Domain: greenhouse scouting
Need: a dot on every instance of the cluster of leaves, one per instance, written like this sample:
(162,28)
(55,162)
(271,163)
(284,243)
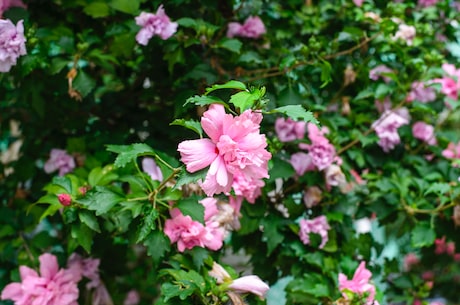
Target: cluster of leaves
(87,87)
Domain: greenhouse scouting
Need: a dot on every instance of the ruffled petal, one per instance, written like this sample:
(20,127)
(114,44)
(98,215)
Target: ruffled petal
(197,154)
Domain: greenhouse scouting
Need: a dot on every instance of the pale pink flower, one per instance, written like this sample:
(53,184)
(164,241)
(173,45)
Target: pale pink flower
(427,3)
(410,260)
(424,132)
(386,128)
(234,147)
(302,163)
(12,43)
(64,199)
(132,298)
(359,284)
(154,24)
(253,27)
(358,2)
(383,105)
(378,72)
(405,32)
(321,152)
(421,93)
(219,273)
(250,284)
(7,4)
(53,286)
(452,151)
(312,196)
(318,225)
(188,233)
(247,187)
(150,167)
(59,160)
(289,130)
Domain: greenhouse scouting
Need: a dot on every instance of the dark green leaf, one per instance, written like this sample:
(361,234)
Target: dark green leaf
(89,219)
(187,178)
(126,6)
(157,245)
(203,100)
(190,206)
(233,84)
(422,235)
(190,124)
(233,45)
(83,235)
(100,199)
(129,153)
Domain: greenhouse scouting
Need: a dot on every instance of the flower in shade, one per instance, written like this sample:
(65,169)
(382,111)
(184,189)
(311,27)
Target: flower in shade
(378,72)
(253,27)
(424,132)
(12,43)
(421,93)
(59,160)
(132,298)
(289,130)
(302,163)
(53,286)
(359,284)
(452,151)
(387,126)
(235,148)
(405,32)
(7,4)
(154,24)
(318,225)
(427,3)
(150,167)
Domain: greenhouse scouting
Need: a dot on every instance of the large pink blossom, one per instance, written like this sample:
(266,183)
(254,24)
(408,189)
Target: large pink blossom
(253,27)
(424,132)
(53,286)
(154,24)
(59,160)
(188,233)
(289,130)
(7,4)
(235,147)
(387,126)
(12,44)
(318,225)
(359,284)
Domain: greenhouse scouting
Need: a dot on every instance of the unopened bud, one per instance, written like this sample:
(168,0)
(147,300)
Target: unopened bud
(64,199)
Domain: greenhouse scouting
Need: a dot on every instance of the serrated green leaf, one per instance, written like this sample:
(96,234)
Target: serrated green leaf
(83,83)
(101,176)
(271,234)
(129,153)
(296,112)
(233,84)
(244,99)
(148,224)
(233,45)
(438,188)
(83,235)
(157,245)
(326,70)
(187,178)
(422,235)
(190,124)
(203,100)
(90,220)
(100,199)
(190,206)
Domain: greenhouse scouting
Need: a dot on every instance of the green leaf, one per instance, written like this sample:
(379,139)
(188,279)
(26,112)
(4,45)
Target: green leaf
(89,219)
(190,124)
(187,22)
(187,178)
(203,100)
(296,112)
(100,199)
(245,100)
(83,235)
(422,235)
(148,224)
(101,176)
(233,84)
(190,206)
(129,153)
(326,70)
(271,234)
(97,9)
(126,6)
(438,188)
(233,45)
(157,245)
(83,83)
(59,184)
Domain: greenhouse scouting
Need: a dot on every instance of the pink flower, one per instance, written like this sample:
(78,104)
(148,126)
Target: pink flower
(452,151)
(289,130)
(427,3)
(12,44)
(386,128)
(132,298)
(7,4)
(405,32)
(150,167)
(359,284)
(188,233)
(235,148)
(450,84)
(419,92)
(302,163)
(321,152)
(59,160)
(253,27)
(247,187)
(64,199)
(250,284)
(424,132)
(154,24)
(410,260)
(318,225)
(358,2)
(377,72)
(53,286)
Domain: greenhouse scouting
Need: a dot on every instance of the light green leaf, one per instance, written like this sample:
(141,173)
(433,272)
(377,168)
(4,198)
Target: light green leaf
(101,176)
(233,84)
(296,112)
(244,100)
(157,245)
(187,22)
(190,124)
(190,206)
(233,45)
(129,153)
(422,235)
(438,188)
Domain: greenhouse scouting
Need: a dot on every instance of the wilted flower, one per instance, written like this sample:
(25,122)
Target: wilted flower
(59,160)
(363,225)
(335,177)
(424,132)
(359,284)
(53,286)
(349,76)
(318,225)
(253,27)
(312,196)
(154,24)
(12,44)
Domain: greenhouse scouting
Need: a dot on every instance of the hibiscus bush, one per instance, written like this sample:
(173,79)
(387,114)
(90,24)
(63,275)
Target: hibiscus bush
(229,152)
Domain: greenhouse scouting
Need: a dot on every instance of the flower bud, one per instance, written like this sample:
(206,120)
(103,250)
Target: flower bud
(64,199)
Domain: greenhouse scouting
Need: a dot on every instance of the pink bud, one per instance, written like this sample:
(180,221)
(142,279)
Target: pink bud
(250,283)
(64,199)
